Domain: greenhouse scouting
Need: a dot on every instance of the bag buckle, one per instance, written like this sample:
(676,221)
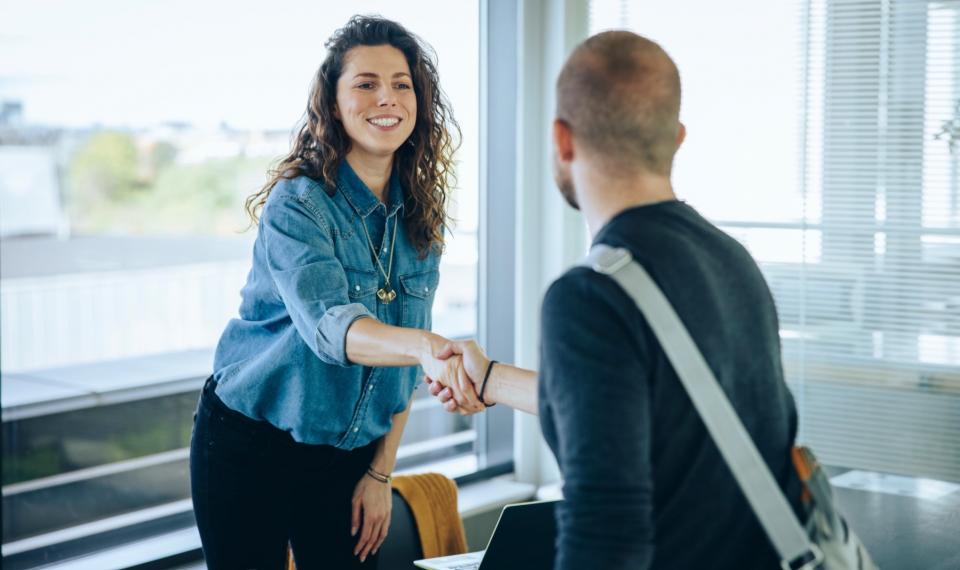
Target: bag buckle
(609,260)
(809,560)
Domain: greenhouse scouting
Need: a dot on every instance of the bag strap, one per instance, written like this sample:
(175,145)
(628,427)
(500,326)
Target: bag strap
(738,450)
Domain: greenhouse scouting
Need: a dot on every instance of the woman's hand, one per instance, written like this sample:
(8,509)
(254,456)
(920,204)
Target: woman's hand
(451,374)
(459,394)
(372,502)
(432,346)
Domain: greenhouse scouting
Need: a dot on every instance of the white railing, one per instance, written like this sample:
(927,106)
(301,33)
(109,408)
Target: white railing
(77,318)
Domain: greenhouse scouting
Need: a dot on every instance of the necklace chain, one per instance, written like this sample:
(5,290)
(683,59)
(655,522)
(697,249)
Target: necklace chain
(386,293)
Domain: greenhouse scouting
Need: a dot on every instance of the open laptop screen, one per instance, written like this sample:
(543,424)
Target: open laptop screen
(524,538)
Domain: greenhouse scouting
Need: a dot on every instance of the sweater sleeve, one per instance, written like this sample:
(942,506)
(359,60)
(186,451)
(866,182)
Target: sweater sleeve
(595,393)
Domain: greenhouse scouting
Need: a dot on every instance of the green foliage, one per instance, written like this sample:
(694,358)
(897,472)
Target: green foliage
(117,187)
(162,155)
(106,167)
(42,447)
(40,462)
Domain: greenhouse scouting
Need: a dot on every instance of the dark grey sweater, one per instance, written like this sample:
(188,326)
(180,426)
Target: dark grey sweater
(645,486)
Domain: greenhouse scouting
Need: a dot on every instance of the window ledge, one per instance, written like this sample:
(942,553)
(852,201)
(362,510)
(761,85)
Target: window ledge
(137,553)
(473,499)
(43,392)
(483,496)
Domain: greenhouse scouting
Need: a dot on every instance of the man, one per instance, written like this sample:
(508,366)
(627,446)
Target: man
(644,484)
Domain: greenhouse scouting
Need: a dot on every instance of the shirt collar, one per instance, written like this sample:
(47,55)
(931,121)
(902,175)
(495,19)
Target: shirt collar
(361,198)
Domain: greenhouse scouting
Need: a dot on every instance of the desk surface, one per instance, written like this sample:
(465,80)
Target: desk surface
(905,532)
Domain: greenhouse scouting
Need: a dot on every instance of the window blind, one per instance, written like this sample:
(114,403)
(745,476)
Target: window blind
(870,319)
(856,225)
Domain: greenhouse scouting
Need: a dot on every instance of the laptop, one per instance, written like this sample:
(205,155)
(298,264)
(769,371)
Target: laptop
(523,539)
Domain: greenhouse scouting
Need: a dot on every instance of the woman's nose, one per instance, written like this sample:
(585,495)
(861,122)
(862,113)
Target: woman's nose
(388,98)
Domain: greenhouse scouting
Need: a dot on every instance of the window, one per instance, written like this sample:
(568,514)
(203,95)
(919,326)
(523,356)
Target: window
(130,134)
(825,140)
(876,357)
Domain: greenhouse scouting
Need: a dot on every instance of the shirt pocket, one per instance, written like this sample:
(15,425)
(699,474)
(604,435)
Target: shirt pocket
(362,287)
(418,293)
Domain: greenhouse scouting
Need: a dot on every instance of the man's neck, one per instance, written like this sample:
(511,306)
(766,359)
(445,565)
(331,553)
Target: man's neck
(602,195)
(373,170)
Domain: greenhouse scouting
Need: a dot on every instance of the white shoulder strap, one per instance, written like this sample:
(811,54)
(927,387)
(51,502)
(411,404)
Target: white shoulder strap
(764,495)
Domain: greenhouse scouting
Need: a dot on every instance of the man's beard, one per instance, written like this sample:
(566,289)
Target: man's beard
(568,192)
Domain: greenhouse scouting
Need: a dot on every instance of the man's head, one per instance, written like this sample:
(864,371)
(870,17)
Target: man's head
(618,105)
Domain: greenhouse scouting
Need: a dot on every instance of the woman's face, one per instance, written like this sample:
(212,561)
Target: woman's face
(375,99)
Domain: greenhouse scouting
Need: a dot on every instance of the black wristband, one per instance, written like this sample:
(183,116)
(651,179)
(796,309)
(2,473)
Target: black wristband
(483,386)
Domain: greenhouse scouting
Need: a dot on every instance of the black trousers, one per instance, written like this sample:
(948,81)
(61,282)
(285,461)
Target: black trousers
(255,489)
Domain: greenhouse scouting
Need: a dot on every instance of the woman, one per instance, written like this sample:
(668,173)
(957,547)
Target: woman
(297,430)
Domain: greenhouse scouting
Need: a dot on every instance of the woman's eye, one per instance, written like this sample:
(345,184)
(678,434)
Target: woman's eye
(365,86)
(404,86)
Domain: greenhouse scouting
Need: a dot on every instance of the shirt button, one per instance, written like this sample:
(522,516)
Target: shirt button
(426,289)
(357,287)
(356,429)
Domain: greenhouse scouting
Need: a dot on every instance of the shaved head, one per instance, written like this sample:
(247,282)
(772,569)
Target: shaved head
(619,93)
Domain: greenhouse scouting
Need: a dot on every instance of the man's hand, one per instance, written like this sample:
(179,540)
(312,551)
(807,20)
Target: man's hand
(460,393)
(443,366)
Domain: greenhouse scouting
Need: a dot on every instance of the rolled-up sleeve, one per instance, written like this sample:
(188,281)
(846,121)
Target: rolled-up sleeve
(309,277)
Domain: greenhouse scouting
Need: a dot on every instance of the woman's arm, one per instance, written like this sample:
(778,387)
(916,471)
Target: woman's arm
(372,500)
(372,343)
(385,456)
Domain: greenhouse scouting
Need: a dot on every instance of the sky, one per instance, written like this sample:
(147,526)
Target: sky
(249,64)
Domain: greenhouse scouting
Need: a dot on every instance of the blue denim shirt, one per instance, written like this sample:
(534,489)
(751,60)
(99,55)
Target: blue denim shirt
(284,360)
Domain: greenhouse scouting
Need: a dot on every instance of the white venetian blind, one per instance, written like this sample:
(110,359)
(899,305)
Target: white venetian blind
(870,319)
(826,140)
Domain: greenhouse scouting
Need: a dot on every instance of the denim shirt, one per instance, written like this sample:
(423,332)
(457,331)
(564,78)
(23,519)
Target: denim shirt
(284,360)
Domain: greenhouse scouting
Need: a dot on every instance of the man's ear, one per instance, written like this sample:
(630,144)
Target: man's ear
(563,140)
(681,135)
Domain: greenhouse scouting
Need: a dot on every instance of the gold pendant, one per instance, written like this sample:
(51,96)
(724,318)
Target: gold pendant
(386,294)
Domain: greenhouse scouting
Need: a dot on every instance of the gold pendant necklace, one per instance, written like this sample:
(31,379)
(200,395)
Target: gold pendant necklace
(386,294)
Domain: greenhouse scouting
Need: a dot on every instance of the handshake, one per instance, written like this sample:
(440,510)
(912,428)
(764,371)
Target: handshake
(455,372)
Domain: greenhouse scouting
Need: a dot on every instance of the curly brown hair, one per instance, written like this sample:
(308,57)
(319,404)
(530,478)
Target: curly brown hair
(424,163)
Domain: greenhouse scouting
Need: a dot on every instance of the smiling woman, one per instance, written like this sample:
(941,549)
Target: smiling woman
(300,423)
(121,218)
(362,59)
(376,102)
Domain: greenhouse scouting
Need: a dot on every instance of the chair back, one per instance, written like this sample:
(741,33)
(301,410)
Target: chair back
(434,497)
(402,545)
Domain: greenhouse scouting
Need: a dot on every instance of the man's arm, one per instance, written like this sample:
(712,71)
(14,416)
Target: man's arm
(512,386)
(595,411)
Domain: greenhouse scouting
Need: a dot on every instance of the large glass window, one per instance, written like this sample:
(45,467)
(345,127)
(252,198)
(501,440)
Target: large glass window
(826,140)
(130,135)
